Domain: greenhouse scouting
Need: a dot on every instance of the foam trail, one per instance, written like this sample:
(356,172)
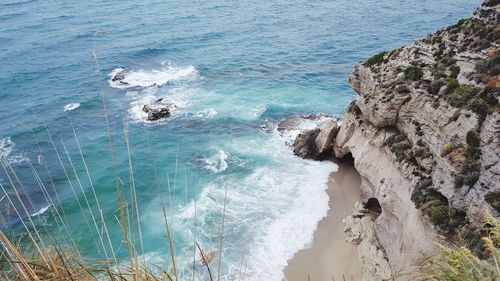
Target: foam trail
(41,211)
(6,146)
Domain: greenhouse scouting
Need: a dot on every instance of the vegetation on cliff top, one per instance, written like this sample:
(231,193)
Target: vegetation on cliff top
(458,263)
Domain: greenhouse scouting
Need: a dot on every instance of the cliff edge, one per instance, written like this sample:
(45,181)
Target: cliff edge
(425,136)
(424,133)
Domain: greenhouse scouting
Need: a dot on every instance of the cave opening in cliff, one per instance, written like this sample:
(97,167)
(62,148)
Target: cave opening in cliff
(373,207)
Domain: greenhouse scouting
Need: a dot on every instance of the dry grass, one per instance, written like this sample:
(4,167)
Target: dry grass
(44,255)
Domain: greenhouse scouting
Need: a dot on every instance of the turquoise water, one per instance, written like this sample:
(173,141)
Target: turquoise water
(233,69)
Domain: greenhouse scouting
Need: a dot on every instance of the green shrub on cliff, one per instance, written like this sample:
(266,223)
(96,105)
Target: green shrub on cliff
(471,168)
(461,95)
(454,71)
(452,85)
(472,139)
(413,72)
(493,198)
(435,206)
(490,66)
(376,59)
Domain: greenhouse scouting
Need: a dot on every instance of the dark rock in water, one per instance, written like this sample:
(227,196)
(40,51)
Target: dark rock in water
(120,76)
(157,110)
(156,114)
(305,144)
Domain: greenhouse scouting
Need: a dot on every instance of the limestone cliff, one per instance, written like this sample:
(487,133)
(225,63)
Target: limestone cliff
(425,137)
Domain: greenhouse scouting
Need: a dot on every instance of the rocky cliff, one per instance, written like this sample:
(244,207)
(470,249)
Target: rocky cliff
(424,133)
(425,136)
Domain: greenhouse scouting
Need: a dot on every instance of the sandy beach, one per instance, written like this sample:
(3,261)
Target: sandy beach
(329,257)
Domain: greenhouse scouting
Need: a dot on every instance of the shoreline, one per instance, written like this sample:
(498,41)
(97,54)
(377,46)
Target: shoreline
(329,256)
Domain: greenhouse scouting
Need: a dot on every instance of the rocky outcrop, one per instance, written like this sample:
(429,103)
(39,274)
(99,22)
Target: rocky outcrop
(425,137)
(120,77)
(157,110)
(311,136)
(327,132)
(305,144)
(424,133)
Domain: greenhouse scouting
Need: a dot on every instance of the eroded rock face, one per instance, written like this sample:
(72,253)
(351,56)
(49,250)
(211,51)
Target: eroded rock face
(327,133)
(359,228)
(425,136)
(400,229)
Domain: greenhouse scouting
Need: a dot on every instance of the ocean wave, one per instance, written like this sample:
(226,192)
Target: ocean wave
(41,211)
(147,78)
(71,106)
(292,126)
(217,162)
(271,213)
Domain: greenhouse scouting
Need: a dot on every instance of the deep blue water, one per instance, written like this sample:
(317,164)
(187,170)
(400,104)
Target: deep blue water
(233,68)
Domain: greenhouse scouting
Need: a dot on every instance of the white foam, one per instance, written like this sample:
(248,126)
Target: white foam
(71,106)
(297,124)
(206,114)
(271,213)
(6,148)
(41,211)
(154,77)
(217,162)
(178,97)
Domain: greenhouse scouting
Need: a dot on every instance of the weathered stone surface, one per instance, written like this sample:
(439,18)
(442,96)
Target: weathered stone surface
(374,263)
(401,230)
(327,133)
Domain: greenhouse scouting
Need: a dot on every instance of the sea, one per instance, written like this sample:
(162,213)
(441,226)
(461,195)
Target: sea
(71,139)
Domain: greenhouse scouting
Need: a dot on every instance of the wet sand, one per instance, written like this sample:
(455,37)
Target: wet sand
(329,257)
